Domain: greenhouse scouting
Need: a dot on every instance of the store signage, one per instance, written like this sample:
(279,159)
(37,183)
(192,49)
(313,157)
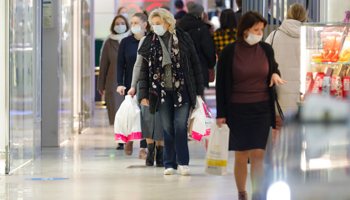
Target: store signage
(47,14)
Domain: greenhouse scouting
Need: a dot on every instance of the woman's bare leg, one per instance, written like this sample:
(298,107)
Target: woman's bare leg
(241,171)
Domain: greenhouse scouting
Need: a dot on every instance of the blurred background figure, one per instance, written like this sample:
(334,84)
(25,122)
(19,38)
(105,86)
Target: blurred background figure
(107,79)
(216,19)
(227,33)
(180,11)
(123,11)
(239,11)
(286,43)
(200,34)
(208,22)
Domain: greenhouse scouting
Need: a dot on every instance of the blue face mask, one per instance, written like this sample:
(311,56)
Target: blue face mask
(125,15)
(159,30)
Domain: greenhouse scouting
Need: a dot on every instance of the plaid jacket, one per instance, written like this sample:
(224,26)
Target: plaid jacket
(222,41)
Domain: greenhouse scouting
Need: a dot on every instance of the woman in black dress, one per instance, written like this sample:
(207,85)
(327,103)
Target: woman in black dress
(246,74)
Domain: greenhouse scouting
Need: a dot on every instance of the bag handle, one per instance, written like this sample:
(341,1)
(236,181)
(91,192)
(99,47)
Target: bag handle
(273,37)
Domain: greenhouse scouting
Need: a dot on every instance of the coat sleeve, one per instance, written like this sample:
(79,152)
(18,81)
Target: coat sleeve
(137,66)
(104,65)
(220,81)
(144,81)
(121,63)
(208,47)
(197,70)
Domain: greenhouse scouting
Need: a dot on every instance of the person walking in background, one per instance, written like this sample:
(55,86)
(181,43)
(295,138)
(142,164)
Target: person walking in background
(180,12)
(170,81)
(200,34)
(206,20)
(107,79)
(123,11)
(286,43)
(126,60)
(246,74)
(227,32)
(239,11)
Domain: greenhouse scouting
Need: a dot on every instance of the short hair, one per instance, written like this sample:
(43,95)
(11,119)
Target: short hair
(239,3)
(120,9)
(297,12)
(179,4)
(248,20)
(166,16)
(113,22)
(144,17)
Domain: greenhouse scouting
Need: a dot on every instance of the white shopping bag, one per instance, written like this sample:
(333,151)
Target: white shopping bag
(127,123)
(217,153)
(201,119)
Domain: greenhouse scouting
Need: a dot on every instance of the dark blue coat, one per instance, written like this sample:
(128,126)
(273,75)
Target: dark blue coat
(126,59)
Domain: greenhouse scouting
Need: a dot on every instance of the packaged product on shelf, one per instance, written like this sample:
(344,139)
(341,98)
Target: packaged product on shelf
(317,58)
(318,84)
(336,49)
(309,82)
(328,49)
(337,87)
(346,87)
(345,51)
(326,89)
(340,70)
(328,71)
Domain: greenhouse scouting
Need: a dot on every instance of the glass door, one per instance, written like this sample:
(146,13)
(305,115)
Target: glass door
(23,80)
(87,69)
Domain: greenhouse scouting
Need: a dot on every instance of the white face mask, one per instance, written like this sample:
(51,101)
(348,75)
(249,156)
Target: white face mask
(120,29)
(159,30)
(253,39)
(136,30)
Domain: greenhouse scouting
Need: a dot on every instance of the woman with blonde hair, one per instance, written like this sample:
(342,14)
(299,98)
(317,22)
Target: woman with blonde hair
(286,43)
(170,81)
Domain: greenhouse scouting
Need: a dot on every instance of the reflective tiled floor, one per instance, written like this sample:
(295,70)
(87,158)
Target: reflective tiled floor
(96,170)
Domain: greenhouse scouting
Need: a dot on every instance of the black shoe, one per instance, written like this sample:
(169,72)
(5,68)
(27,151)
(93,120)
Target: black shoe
(159,156)
(120,146)
(150,154)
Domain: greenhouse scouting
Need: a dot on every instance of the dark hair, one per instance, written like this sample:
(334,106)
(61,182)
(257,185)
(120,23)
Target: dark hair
(113,22)
(118,13)
(179,4)
(248,20)
(239,3)
(166,8)
(144,17)
(228,20)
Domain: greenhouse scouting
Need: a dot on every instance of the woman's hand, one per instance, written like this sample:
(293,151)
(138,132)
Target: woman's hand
(145,102)
(121,90)
(132,92)
(276,79)
(102,92)
(220,121)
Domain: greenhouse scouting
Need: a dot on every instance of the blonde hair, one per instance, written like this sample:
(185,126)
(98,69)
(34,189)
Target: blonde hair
(166,16)
(297,12)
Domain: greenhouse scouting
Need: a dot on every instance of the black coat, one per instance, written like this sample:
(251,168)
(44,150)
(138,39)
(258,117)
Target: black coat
(203,43)
(188,61)
(224,81)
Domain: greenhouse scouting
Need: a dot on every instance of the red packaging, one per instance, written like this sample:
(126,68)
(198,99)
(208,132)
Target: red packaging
(336,87)
(309,83)
(317,87)
(346,87)
(328,51)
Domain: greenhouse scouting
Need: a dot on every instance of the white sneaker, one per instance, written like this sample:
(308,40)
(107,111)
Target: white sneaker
(184,169)
(169,171)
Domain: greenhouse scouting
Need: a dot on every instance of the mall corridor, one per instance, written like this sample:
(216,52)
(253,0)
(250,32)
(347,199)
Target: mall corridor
(93,169)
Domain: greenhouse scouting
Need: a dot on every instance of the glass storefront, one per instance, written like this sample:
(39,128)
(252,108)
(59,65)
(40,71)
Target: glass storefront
(66,115)
(24,81)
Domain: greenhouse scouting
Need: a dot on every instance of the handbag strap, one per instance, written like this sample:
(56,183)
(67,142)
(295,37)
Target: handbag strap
(273,37)
(279,109)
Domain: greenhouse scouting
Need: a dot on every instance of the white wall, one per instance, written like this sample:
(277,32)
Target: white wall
(336,10)
(105,11)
